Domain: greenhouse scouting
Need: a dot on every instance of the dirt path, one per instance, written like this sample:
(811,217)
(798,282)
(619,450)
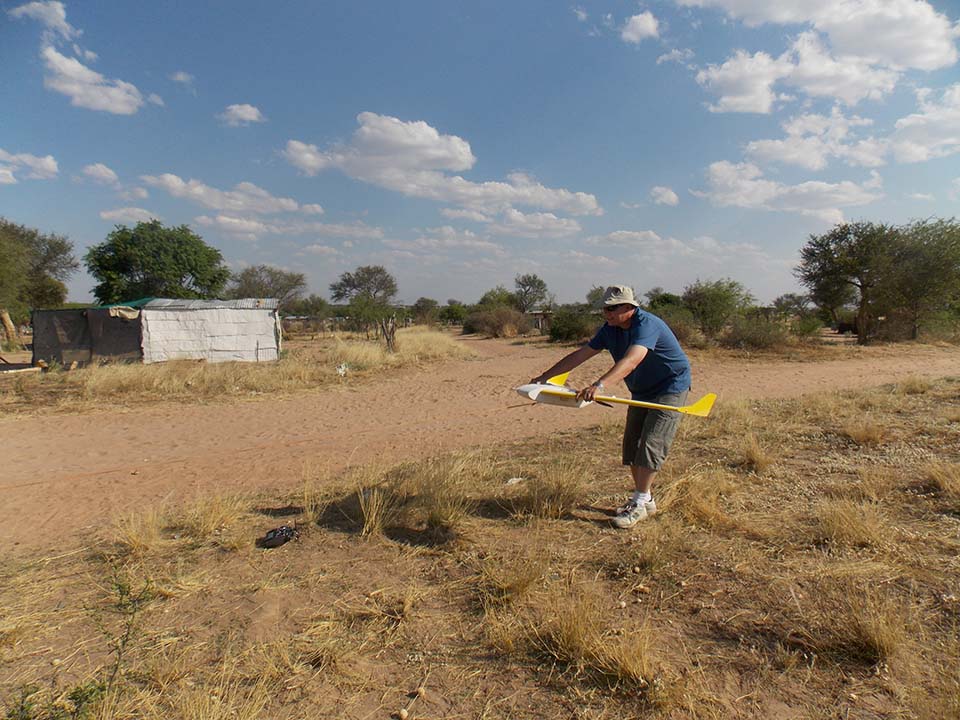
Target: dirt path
(65,473)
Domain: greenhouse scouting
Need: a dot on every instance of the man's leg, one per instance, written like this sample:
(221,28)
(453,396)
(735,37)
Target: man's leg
(642,478)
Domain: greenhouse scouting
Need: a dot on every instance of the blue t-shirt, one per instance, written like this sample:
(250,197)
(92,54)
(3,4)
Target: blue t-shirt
(665,369)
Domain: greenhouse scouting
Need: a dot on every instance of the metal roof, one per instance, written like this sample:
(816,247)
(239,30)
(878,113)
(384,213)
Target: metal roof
(242,304)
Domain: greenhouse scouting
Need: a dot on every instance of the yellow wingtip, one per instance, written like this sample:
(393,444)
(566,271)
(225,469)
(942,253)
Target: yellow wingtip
(558,379)
(701,407)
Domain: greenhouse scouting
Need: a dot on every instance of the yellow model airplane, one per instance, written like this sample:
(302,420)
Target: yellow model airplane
(555,392)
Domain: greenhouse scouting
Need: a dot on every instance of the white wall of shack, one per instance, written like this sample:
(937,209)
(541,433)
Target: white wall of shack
(214,335)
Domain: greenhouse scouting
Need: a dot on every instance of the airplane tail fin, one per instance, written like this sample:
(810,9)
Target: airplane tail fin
(701,407)
(560,380)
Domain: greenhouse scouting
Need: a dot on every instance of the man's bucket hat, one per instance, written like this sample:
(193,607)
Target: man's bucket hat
(619,295)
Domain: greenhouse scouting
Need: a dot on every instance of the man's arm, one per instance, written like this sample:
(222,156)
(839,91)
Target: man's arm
(623,367)
(567,363)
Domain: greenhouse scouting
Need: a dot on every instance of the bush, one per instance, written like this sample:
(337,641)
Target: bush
(755,334)
(682,323)
(568,325)
(497,322)
(806,326)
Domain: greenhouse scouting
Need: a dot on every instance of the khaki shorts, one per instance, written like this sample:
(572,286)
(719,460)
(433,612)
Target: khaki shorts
(649,433)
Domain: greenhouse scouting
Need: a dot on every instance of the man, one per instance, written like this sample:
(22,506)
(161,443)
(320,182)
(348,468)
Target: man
(648,358)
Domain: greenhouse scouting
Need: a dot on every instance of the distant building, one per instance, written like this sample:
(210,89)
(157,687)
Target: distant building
(155,330)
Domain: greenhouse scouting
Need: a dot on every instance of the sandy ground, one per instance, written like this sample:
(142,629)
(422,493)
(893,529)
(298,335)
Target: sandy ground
(66,474)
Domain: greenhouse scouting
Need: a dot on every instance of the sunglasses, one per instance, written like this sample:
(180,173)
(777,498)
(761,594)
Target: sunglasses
(616,308)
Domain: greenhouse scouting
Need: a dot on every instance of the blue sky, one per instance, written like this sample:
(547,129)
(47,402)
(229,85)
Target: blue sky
(461,144)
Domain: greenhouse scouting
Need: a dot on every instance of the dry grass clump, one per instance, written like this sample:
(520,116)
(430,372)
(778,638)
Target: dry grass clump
(755,458)
(505,580)
(914,386)
(211,515)
(554,492)
(864,627)
(872,484)
(864,431)
(850,523)
(378,508)
(441,487)
(942,478)
(698,495)
(139,533)
(569,631)
(728,419)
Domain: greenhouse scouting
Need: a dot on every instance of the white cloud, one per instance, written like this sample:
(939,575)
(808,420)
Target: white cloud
(934,132)
(743,185)
(580,13)
(312,209)
(630,239)
(639,28)
(455,214)
(37,168)
(129,214)
(926,197)
(251,228)
(98,172)
(813,139)
(245,197)
(239,115)
(448,238)
(850,79)
(155,99)
(895,33)
(744,82)
(534,225)
(138,193)
(86,88)
(412,158)
(324,250)
(52,14)
(664,196)
(184,78)
(676,55)
(88,55)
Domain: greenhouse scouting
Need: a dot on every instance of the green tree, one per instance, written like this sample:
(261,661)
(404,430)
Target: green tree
(791,305)
(714,304)
(369,281)
(595,296)
(658,298)
(925,275)
(425,311)
(312,306)
(369,290)
(151,260)
(498,296)
(266,281)
(858,256)
(453,312)
(33,268)
(531,291)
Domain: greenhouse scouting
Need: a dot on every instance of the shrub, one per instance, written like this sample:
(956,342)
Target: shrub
(754,334)
(497,322)
(682,323)
(570,325)
(806,326)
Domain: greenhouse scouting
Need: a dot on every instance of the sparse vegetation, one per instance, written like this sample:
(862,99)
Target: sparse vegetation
(303,367)
(830,580)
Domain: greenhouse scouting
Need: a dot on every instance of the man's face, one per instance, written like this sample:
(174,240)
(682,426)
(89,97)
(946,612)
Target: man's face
(618,315)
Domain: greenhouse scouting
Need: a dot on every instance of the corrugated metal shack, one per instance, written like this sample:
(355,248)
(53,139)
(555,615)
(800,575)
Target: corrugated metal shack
(155,330)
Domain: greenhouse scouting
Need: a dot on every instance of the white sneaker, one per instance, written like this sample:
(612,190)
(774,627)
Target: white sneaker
(650,506)
(631,513)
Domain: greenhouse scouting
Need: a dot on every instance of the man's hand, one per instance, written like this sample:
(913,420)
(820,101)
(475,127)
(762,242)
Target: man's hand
(589,392)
